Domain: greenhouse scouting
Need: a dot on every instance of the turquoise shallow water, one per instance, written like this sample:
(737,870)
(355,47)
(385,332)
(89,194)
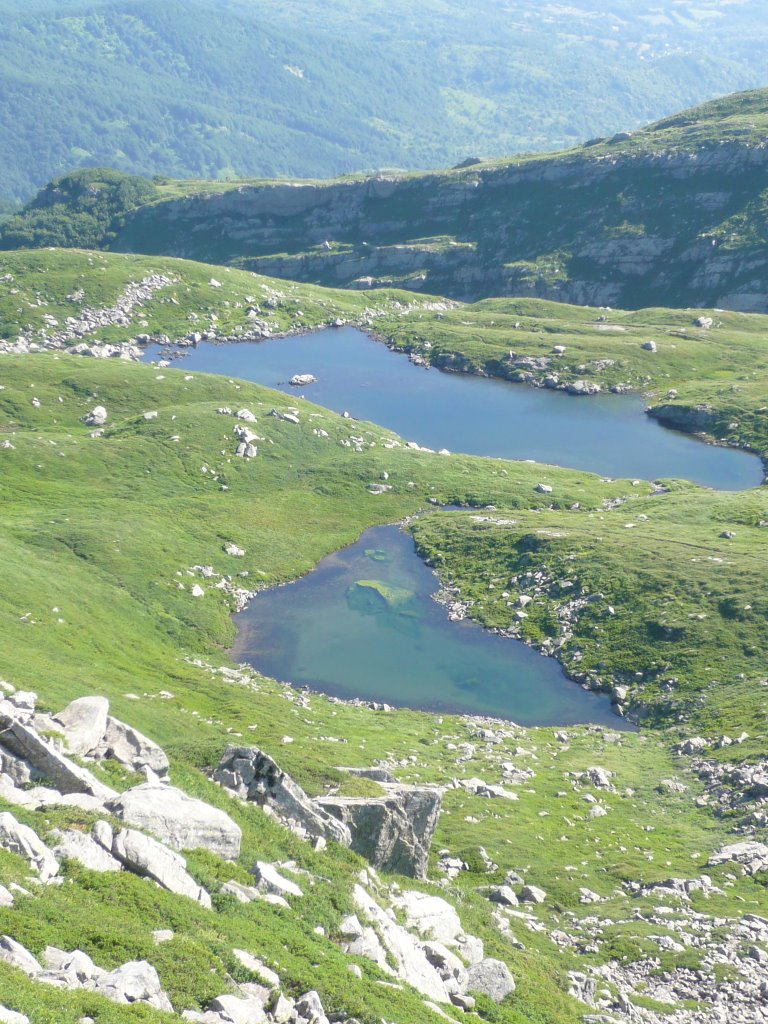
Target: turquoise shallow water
(328,632)
(606,434)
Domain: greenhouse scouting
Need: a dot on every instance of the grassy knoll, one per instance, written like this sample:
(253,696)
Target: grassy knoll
(40,289)
(664,604)
(710,379)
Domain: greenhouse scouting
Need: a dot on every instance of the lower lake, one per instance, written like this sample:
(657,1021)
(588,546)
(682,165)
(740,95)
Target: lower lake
(364,624)
(606,434)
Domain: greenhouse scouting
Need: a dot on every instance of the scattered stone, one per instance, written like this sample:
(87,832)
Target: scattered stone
(752,856)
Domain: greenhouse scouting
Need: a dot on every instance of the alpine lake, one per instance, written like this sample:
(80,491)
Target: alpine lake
(363,624)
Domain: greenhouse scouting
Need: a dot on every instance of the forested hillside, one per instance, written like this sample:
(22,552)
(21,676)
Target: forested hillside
(226,88)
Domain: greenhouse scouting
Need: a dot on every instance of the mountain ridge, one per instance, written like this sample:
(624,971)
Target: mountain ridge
(673,215)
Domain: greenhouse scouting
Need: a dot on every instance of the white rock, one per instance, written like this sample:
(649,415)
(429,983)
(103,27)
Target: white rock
(15,955)
(238,1010)
(431,916)
(131,748)
(491,978)
(21,839)
(84,722)
(269,880)
(411,962)
(97,417)
(83,848)
(251,963)
(150,859)
(11,1017)
(135,982)
(751,855)
(181,821)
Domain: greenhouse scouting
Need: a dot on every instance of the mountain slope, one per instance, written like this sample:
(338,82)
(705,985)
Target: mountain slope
(673,215)
(223,88)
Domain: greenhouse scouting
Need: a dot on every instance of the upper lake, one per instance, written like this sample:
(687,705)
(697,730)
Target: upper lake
(606,434)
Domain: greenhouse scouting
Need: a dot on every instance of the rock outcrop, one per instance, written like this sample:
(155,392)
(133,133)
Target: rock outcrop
(613,224)
(255,776)
(393,832)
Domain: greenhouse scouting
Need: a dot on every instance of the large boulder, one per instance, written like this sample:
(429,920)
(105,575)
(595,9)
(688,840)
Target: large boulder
(253,775)
(131,748)
(65,776)
(84,722)
(239,1010)
(181,821)
(394,832)
(16,955)
(146,857)
(83,848)
(23,840)
(135,982)
(491,978)
(431,916)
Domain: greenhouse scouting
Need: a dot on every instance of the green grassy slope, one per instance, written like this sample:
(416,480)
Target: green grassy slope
(40,290)
(225,88)
(95,533)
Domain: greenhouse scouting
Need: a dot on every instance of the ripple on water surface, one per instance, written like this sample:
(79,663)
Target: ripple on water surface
(606,434)
(363,624)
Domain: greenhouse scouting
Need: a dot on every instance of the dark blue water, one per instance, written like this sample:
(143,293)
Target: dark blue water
(606,434)
(363,624)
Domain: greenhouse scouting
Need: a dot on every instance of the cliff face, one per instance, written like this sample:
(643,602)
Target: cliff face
(604,226)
